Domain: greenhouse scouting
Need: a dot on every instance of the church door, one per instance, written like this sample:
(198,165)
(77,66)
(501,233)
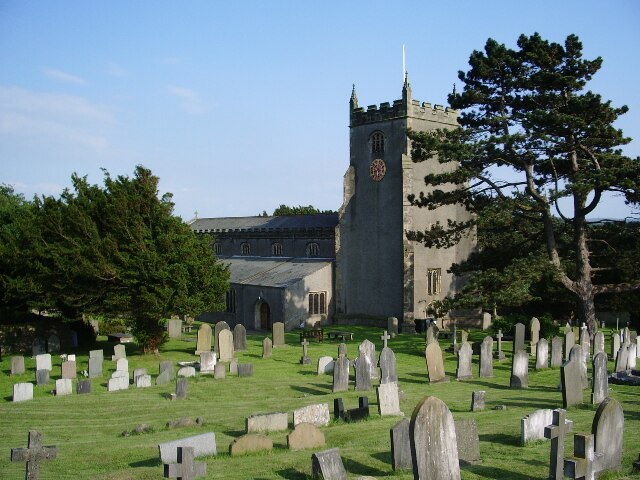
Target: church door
(265,316)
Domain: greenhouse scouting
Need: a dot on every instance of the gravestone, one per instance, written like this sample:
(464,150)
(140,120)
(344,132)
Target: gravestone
(430,335)
(239,338)
(267,422)
(166,373)
(182,388)
(518,338)
(219,327)
(245,369)
(600,382)
(578,354)
(204,339)
(219,371)
(38,347)
(388,372)
(570,377)
(64,386)
(22,392)
(586,462)
(542,354)
(341,374)
(69,370)
(534,334)
(71,357)
(305,359)
(267,346)
(224,343)
(369,349)
(186,467)
(42,377)
(250,443)
(83,386)
(34,454)
(385,336)
(143,381)
(138,372)
(557,432)
(468,441)
(338,408)
(96,354)
(118,383)
(360,413)
(569,342)
(277,333)
(43,361)
(388,399)
(186,372)
(520,370)
(119,351)
(363,372)
(500,354)
(174,328)
(585,341)
(17,365)
(401,446)
(532,426)
(304,436)
(325,365)
(478,400)
(432,436)
(316,414)
(203,445)
(608,428)
(463,371)
(435,363)
(343,349)
(392,326)
(486,357)
(233,366)
(207,362)
(53,344)
(328,465)
(122,365)
(556,352)
(632,357)
(615,344)
(622,359)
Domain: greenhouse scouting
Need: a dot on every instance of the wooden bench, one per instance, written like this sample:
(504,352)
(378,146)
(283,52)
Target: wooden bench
(317,333)
(340,335)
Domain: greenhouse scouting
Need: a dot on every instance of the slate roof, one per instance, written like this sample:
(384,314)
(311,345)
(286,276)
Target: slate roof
(292,222)
(270,272)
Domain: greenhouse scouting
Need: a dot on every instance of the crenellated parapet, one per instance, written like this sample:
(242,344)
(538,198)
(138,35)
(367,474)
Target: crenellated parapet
(401,109)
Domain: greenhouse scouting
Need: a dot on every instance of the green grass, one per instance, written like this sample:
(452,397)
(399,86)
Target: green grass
(87,428)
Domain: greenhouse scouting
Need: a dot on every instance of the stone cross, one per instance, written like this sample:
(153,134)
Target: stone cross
(186,468)
(586,463)
(384,338)
(34,454)
(305,344)
(499,336)
(556,432)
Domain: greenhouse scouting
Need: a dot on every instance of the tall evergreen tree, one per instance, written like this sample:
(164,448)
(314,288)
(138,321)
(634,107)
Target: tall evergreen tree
(531,137)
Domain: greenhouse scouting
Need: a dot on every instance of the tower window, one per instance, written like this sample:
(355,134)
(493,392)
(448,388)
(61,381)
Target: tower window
(245,249)
(217,248)
(313,249)
(377,142)
(317,303)
(276,249)
(434,281)
(231,301)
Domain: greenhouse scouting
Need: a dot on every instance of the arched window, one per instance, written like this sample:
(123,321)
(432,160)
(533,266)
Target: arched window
(276,249)
(217,248)
(317,303)
(231,301)
(313,249)
(245,249)
(434,281)
(377,142)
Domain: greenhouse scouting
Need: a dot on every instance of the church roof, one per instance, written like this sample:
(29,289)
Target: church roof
(289,222)
(270,272)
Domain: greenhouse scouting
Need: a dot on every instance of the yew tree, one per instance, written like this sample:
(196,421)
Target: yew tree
(536,141)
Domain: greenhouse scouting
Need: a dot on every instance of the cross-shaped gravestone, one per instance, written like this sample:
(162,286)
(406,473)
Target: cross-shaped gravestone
(305,344)
(556,432)
(384,338)
(499,337)
(186,468)
(586,463)
(34,454)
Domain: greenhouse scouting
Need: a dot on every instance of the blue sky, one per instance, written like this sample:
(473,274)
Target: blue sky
(242,106)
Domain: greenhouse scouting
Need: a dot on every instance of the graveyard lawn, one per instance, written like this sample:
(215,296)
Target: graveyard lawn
(87,429)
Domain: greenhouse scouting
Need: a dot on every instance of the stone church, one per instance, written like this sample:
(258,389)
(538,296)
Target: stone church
(356,266)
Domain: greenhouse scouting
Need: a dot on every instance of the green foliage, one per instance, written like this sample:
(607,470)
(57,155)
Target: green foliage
(284,210)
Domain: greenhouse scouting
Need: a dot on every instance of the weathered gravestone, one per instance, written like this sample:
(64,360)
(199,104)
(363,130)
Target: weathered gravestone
(116,383)
(182,388)
(392,326)
(277,333)
(224,341)
(143,381)
(219,327)
(577,354)
(267,346)
(325,365)
(239,338)
(430,335)
(500,354)
(203,445)
(518,338)
(384,337)
(328,465)
(250,443)
(34,454)
(42,377)
(586,463)
(608,428)
(570,377)
(557,431)
(542,354)
(401,446)
(534,334)
(569,342)
(341,374)
(532,426)
(622,358)
(69,370)
(245,369)
(468,441)
(388,372)
(463,371)
(95,363)
(369,349)
(174,328)
(520,370)
(486,357)
(137,372)
(186,467)
(600,382)
(186,371)
(343,349)
(122,365)
(432,436)
(615,344)
(166,372)
(585,342)
(305,359)
(388,399)
(435,363)
(219,371)
(64,386)
(203,343)
(363,372)
(316,414)
(22,391)
(478,400)
(83,386)
(267,422)
(53,344)
(233,367)
(43,362)
(304,436)
(119,351)
(556,352)
(17,365)
(207,362)
(360,413)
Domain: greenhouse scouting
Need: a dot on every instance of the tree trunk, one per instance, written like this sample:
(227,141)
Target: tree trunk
(587,309)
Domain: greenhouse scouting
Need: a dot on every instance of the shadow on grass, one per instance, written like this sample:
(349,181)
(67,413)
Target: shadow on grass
(533,404)
(500,438)
(493,472)
(235,433)
(384,457)
(151,462)
(358,468)
(292,473)
(312,391)
(491,385)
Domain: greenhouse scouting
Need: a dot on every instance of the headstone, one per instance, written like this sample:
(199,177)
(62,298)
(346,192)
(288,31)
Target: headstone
(245,369)
(166,373)
(119,351)
(626,335)
(233,367)
(17,365)
(632,357)
(267,346)
(577,352)
(401,446)
(267,422)
(317,414)
(430,335)
(38,347)
(500,354)
(239,338)
(556,352)
(277,333)
(42,377)
(343,349)
(341,374)
(388,372)
(435,363)
(53,344)
(143,381)
(557,431)
(69,370)
(608,428)
(325,365)
(182,388)
(207,362)
(463,371)
(219,327)
(622,359)
(520,370)
(585,343)
(304,436)
(174,328)
(369,349)
(43,362)
(250,443)
(598,343)
(204,339)
(478,400)
(600,382)
(542,354)
(385,336)
(186,372)
(219,371)
(532,426)
(186,467)
(96,354)
(518,338)
(224,341)
(434,448)
(392,326)
(122,365)
(363,372)
(360,413)
(570,377)
(22,391)
(569,342)
(388,399)
(486,357)
(64,386)
(328,465)
(34,454)
(615,344)
(138,372)
(83,386)
(586,463)
(118,383)
(468,441)
(534,330)
(203,445)
(338,408)
(306,359)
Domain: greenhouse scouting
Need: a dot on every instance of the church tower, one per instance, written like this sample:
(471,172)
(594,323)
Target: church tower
(379,273)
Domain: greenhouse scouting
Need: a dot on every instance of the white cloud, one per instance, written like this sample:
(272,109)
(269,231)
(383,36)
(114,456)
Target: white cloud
(190,100)
(64,77)
(116,70)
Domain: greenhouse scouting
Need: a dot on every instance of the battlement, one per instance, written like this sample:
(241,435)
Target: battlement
(399,109)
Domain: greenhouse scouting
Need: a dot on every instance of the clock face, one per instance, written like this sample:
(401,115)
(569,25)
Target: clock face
(377,169)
